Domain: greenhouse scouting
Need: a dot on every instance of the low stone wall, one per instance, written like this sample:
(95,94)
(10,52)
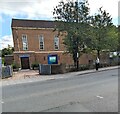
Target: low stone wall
(58,69)
(8,60)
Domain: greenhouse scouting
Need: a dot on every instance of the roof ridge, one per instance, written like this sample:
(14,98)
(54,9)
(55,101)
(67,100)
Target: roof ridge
(33,20)
(33,23)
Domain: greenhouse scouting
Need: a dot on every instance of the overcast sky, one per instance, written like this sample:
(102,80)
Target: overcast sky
(42,10)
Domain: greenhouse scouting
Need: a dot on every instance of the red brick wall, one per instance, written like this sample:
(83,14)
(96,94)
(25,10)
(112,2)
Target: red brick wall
(33,39)
(40,56)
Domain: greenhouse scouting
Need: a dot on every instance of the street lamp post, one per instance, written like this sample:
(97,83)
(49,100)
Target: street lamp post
(77,39)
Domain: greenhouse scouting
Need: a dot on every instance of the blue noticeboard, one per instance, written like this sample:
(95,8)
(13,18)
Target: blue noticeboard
(53,59)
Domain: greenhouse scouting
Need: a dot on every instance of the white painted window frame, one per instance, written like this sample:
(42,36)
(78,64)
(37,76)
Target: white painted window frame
(24,42)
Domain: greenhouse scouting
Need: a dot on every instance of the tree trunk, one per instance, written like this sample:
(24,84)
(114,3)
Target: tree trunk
(77,64)
(98,54)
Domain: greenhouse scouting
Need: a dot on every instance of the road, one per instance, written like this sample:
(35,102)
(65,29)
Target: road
(94,92)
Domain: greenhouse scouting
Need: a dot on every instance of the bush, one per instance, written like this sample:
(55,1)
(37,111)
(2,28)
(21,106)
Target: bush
(3,60)
(15,66)
(81,68)
(35,66)
(84,67)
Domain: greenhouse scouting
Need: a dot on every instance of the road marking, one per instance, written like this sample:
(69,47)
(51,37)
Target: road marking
(52,78)
(59,77)
(2,102)
(99,97)
(30,81)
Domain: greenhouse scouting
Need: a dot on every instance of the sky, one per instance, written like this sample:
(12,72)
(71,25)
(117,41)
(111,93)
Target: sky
(41,10)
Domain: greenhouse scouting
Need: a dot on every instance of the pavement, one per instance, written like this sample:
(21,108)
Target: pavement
(27,76)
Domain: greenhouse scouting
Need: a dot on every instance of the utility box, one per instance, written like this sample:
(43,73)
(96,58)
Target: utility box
(7,71)
(51,69)
(44,69)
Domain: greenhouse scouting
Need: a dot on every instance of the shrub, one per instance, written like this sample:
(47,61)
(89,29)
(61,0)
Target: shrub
(84,67)
(3,60)
(35,65)
(15,66)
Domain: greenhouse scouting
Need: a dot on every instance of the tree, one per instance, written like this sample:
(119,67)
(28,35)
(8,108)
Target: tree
(112,39)
(73,18)
(7,51)
(118,38)
(101,25)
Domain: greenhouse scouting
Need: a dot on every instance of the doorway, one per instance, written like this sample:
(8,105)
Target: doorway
(25,63)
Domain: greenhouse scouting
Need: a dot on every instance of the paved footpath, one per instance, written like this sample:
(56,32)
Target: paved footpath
(27,76)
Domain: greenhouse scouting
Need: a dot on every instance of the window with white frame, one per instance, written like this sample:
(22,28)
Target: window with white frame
(41,42)
(24,42)
(56,42)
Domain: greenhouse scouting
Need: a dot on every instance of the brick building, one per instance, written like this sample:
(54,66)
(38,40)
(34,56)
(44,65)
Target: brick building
(34,40)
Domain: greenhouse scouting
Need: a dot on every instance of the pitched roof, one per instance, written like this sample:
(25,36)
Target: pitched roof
(32,23)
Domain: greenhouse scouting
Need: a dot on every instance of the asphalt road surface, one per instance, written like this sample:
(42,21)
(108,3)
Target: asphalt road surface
(94,92)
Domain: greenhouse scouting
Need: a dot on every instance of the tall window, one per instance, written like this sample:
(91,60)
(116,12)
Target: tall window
(41,42)
(24,42)
(56,43)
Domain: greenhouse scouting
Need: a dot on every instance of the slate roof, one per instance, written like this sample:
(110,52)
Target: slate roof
(32,23)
